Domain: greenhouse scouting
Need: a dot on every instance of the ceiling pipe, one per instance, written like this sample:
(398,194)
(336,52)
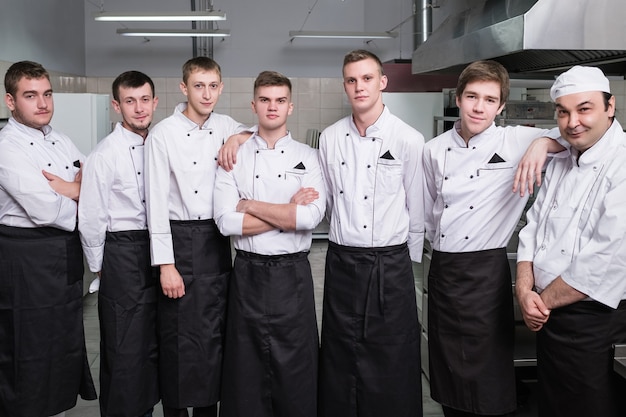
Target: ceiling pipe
(423,25)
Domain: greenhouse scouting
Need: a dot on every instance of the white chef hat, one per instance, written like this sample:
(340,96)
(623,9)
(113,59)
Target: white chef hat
(578,80)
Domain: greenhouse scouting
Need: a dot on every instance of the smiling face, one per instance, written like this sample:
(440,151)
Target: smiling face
(583,118)
(364,83)
(479,104)
(203,89)
(136,105)
(32,103)
(272,104)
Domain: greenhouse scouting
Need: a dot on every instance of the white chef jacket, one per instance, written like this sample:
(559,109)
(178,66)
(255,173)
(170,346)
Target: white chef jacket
(577,228)
(181,161)
(470,205)
(26,198)
(374,183)
(273,176)
(112,192)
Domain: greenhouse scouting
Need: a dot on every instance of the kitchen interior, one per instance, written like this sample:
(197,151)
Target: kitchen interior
(432,42)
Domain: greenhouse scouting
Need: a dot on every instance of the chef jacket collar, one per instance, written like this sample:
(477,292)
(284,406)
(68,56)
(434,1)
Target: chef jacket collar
(378,126)
(474,140)
(611,139)
(130,138)
(189,124)
(46,131)
(280,143)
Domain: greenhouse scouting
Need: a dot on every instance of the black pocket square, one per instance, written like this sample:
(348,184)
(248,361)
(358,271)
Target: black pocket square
(495,159)
(299,166)
(387,155)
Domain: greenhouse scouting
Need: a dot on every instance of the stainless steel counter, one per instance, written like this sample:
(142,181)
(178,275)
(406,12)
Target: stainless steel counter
(619,360)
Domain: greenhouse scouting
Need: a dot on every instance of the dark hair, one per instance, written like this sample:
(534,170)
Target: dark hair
(130,79)
(606,96)
(271,78)
(485,71)
(23,69)
(203,63)
(360,55)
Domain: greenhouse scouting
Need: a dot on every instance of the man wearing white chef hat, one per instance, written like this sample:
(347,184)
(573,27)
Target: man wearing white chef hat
(572,255)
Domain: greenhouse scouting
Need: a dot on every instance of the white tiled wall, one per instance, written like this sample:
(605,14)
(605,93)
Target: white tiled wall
(318,102)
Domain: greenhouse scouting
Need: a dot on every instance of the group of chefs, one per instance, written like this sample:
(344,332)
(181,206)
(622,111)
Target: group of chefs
(152,211)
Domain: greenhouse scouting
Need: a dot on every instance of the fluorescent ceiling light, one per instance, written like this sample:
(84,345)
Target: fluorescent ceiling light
(341,35)
(158,16)
(174,32)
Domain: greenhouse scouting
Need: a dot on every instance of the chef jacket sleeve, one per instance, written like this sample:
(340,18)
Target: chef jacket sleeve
(309,216)
(225,198)
(93,209)
(323,158)
(430,194)
(22,179)
(414,187)
(157,188)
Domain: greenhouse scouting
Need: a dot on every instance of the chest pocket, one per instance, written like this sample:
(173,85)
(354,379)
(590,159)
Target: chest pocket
(389,176)
(496,175)
(295,175)
(294,179)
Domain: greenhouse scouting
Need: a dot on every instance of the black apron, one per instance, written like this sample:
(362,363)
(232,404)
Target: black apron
(471,331)
(370,352)
(191,328)
(271,350)
(129,384)
(575,361)
(43,359)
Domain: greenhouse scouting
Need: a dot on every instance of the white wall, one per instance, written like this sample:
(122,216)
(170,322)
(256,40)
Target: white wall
(47,31)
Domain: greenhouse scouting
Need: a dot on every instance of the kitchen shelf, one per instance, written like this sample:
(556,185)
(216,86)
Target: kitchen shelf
(500,121)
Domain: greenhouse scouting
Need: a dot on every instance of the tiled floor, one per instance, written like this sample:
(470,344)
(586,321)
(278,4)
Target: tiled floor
(317,258)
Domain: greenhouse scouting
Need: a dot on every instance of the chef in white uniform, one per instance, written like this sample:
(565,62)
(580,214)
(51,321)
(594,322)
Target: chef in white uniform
(270,203)
(372,164)
(114,234)
(471,213)
(193,256)
(571,279)
(43,360)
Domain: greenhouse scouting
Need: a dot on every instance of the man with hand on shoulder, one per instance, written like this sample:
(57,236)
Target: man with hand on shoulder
(193,257)
(471,214)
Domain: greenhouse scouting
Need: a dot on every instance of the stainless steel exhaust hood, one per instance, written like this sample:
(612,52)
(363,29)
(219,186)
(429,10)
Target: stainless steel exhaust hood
(529,37)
